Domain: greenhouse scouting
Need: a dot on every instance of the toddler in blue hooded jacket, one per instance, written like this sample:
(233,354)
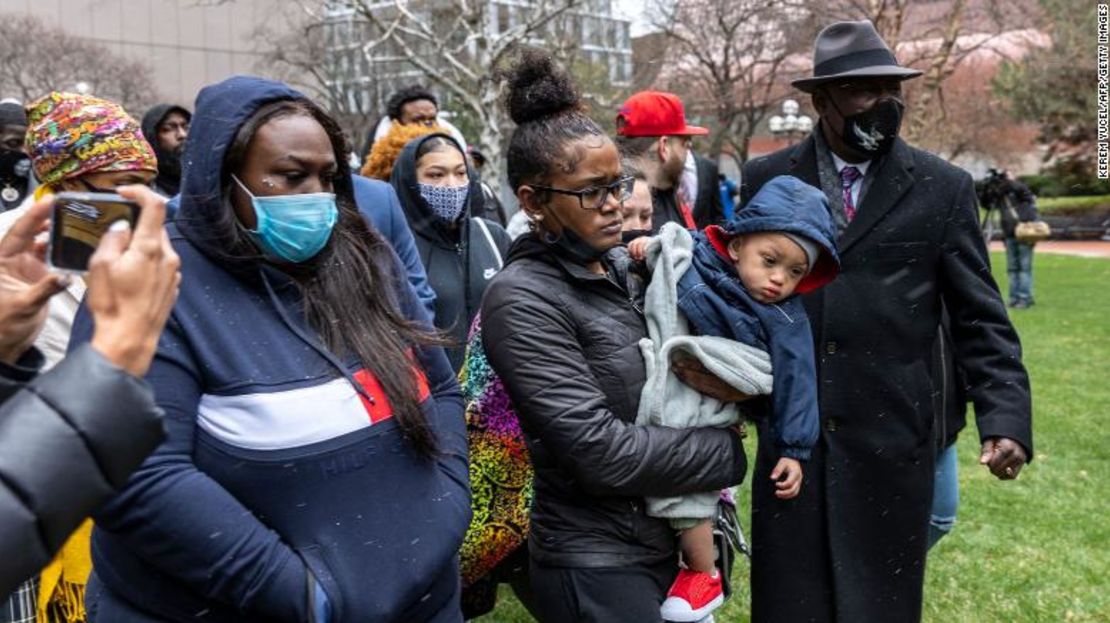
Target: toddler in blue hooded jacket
(741,285)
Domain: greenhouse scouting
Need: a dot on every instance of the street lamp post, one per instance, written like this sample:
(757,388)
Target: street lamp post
(790,124)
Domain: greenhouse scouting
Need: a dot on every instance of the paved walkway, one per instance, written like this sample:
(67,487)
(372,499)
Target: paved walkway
(1085,248)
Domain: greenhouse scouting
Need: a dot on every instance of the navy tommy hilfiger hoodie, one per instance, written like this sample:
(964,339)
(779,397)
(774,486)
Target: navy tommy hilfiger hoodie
(715,302)
(277,475)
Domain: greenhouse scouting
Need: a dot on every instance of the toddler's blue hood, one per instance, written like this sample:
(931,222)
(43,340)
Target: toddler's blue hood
(786,204)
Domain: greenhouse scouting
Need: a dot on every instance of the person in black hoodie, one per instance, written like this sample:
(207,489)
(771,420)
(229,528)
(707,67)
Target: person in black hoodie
(166,126)
(561,326)
(16,181)
(491,204)
(461,253)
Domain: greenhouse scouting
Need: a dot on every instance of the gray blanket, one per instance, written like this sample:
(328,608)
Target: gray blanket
(667,401)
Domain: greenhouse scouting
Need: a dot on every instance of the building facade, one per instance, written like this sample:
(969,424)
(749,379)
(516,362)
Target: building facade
(590,33)
(187,43)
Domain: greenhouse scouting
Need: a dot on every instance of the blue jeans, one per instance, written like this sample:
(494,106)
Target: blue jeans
(946,495)
(1019,268)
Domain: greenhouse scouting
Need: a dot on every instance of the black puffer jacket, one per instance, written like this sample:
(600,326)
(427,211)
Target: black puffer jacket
(68,440)
(565,343)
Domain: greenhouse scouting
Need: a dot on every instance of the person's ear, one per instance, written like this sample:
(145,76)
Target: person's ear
(734,247)
(529,202)
(662,149)
(820,102)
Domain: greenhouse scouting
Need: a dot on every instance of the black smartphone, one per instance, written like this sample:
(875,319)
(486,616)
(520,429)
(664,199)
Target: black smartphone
(78,222)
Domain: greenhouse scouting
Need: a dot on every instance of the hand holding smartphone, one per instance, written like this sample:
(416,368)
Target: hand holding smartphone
(26,283)
(132,281)
(78,222)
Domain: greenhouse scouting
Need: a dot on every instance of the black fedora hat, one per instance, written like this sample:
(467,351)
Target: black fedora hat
(852,49)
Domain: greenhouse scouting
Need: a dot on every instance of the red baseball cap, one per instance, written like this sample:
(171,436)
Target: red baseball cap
(655,113)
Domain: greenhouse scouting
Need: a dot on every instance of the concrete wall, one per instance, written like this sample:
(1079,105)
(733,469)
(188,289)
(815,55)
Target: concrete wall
(188,43)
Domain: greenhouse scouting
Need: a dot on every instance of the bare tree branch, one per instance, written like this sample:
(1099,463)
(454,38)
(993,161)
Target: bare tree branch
(940,38)
(456,44)
(36,58)
(297,54)
(725,57)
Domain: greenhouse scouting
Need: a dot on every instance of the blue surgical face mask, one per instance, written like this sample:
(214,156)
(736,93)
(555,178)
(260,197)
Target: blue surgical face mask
(446,202)
(293,228)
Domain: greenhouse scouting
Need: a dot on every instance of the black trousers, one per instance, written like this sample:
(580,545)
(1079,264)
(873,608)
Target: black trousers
(629,594)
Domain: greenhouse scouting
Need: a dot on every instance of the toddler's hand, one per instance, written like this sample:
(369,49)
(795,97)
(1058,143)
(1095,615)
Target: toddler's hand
(638,248)
(788,478)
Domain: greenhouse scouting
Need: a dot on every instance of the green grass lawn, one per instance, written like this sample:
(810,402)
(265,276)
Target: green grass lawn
(1036,549)
(1071,204)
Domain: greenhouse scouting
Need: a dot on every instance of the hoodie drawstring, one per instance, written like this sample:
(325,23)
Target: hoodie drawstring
(307,339)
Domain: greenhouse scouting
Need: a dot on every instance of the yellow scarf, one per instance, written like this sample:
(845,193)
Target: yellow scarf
(62,583)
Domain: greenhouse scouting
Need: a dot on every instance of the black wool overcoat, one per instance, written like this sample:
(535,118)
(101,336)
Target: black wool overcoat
(851,547)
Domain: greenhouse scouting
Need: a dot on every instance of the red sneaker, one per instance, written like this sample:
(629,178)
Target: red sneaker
(693,596)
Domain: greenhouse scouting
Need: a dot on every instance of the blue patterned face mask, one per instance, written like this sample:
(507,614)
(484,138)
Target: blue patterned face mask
(293,228)
(446,202)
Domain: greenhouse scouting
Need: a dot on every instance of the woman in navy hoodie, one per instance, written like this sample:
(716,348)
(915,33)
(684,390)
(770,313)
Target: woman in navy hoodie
(315,461)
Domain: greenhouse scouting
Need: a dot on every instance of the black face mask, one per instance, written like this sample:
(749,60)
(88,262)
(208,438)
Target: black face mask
(571,246)
(169,163)
(15,173)
(629,235)
(14,164)
(872,132)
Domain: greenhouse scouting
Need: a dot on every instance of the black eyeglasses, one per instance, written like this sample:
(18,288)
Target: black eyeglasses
(594,197)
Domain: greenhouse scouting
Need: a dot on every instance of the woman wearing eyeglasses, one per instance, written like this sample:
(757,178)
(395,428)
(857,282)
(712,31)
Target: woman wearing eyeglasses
(460,253)
(561,328)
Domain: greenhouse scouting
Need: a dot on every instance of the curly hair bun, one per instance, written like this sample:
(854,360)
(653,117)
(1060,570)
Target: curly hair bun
(538,89)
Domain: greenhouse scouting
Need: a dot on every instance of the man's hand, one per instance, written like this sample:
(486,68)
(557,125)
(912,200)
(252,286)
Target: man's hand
(1005,457)
(690,371)
(26,284)
(133,280)
(788,478)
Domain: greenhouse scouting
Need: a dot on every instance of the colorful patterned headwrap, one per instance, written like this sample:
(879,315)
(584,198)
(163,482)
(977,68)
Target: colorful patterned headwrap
(69,135)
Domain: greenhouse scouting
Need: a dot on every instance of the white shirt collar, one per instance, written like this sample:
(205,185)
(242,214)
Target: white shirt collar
(840,163)
(691,163)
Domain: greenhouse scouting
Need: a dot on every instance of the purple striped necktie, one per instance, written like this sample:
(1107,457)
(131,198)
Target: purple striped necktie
(848,176)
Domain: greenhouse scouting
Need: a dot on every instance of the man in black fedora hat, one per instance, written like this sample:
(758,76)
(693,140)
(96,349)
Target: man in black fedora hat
(852,546)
